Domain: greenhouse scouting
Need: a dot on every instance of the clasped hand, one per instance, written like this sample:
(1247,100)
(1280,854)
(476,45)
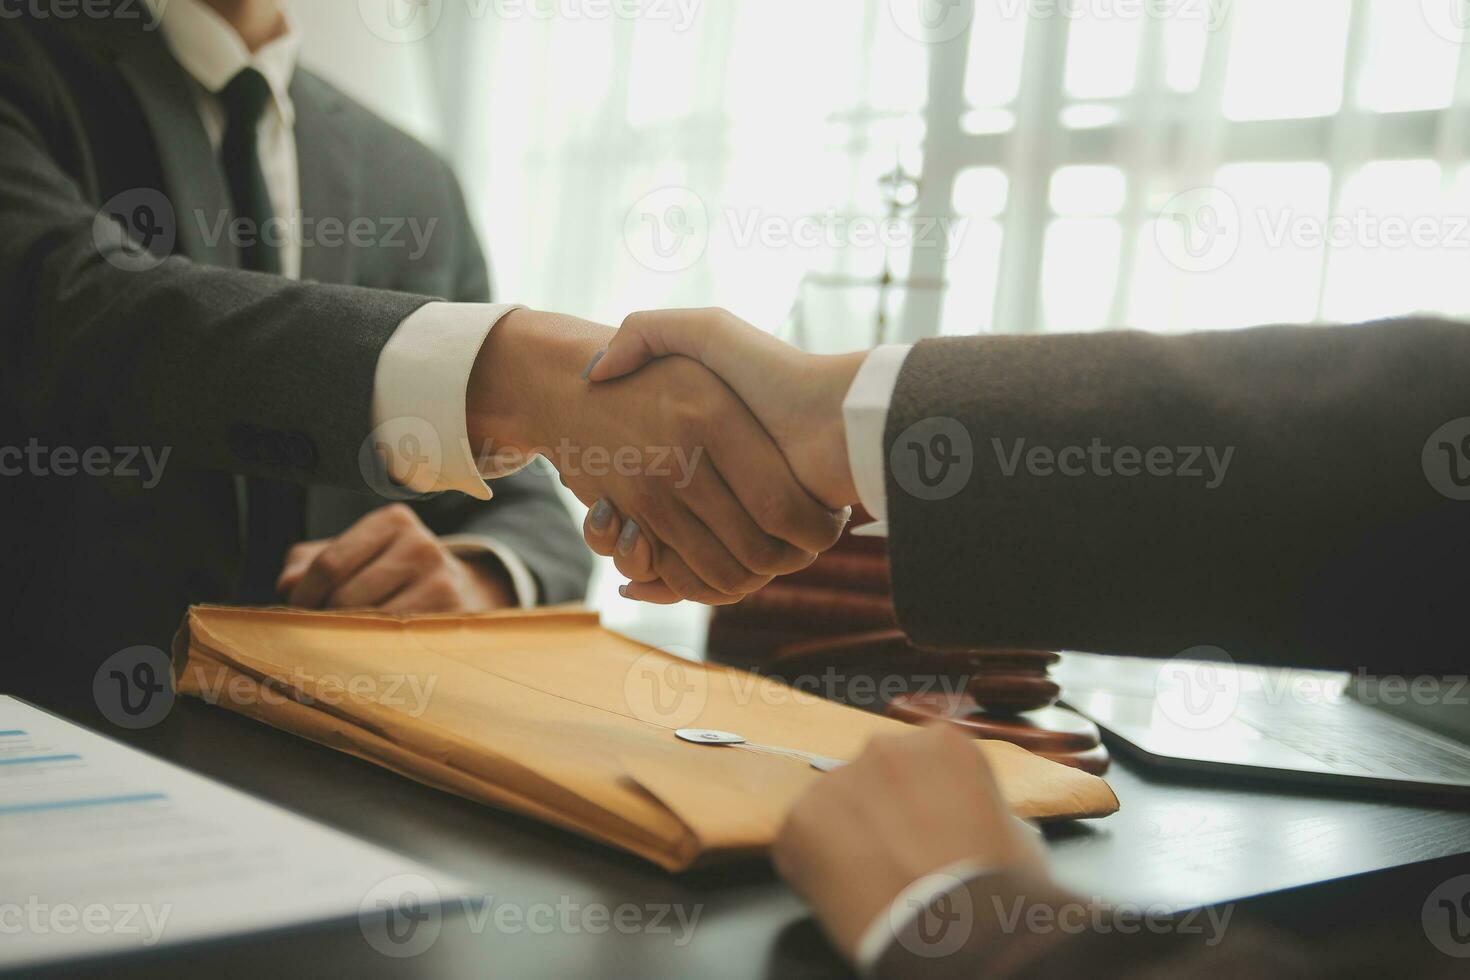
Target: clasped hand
(688,490)
(794,399)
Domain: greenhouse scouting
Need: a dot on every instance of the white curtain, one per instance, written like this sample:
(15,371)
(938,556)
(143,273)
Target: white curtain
(390,77)
(626,163)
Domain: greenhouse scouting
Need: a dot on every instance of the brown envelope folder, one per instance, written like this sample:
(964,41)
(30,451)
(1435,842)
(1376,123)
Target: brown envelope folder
(548,714)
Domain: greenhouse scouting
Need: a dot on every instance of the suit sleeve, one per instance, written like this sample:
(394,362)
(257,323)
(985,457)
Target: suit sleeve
(1007,926)
(230,370)
(526,515)
(1288,494)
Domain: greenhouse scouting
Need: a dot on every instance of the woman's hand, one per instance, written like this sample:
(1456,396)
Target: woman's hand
(796,397)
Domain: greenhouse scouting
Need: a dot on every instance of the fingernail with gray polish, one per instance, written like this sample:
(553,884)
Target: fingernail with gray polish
(623,591)
(628,539)
(593,363)
(600,516)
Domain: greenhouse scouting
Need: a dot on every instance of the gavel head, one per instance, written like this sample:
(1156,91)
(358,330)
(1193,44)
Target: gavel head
(1001,681)
(1010,681)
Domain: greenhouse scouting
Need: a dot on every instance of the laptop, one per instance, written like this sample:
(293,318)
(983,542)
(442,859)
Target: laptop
(1303,726)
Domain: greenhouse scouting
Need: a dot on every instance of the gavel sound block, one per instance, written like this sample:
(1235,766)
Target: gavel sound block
(1003,694)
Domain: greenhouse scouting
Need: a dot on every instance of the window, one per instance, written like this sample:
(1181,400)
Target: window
(1081,164)
(1207,165)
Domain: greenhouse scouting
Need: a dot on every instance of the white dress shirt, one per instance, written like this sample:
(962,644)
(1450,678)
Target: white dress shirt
(865,415)
(423,372)
(906,907)
(920,894)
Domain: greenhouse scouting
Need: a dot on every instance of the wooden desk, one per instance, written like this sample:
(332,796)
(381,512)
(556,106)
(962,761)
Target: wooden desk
(1176,844)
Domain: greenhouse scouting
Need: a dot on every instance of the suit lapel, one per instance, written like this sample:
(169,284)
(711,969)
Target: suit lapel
(327,153)
(193,178)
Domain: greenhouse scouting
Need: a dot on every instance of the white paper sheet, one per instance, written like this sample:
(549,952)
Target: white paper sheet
(104,849)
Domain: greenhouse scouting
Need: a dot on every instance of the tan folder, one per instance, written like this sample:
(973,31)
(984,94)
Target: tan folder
(548,714)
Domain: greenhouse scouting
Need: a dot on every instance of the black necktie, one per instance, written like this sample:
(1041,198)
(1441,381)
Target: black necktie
(276,511)
(244,100)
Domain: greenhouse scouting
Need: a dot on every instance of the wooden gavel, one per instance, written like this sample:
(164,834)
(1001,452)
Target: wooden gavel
(1000,693)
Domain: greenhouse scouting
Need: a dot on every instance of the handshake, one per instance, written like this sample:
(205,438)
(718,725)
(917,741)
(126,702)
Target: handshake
(763,484)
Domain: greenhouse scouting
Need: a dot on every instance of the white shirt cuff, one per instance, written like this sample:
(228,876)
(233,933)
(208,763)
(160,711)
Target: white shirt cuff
(865,415)
(903,910)
(420,430)
(479,545)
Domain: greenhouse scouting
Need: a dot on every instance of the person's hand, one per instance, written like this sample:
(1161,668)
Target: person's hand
(708,504)
(389,560)
(797,398)
(908,806)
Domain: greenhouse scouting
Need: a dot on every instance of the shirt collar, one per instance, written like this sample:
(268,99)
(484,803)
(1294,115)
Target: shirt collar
(207,47)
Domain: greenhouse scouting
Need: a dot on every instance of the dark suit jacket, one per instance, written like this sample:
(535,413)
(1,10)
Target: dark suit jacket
(1325,542)
(231,372)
